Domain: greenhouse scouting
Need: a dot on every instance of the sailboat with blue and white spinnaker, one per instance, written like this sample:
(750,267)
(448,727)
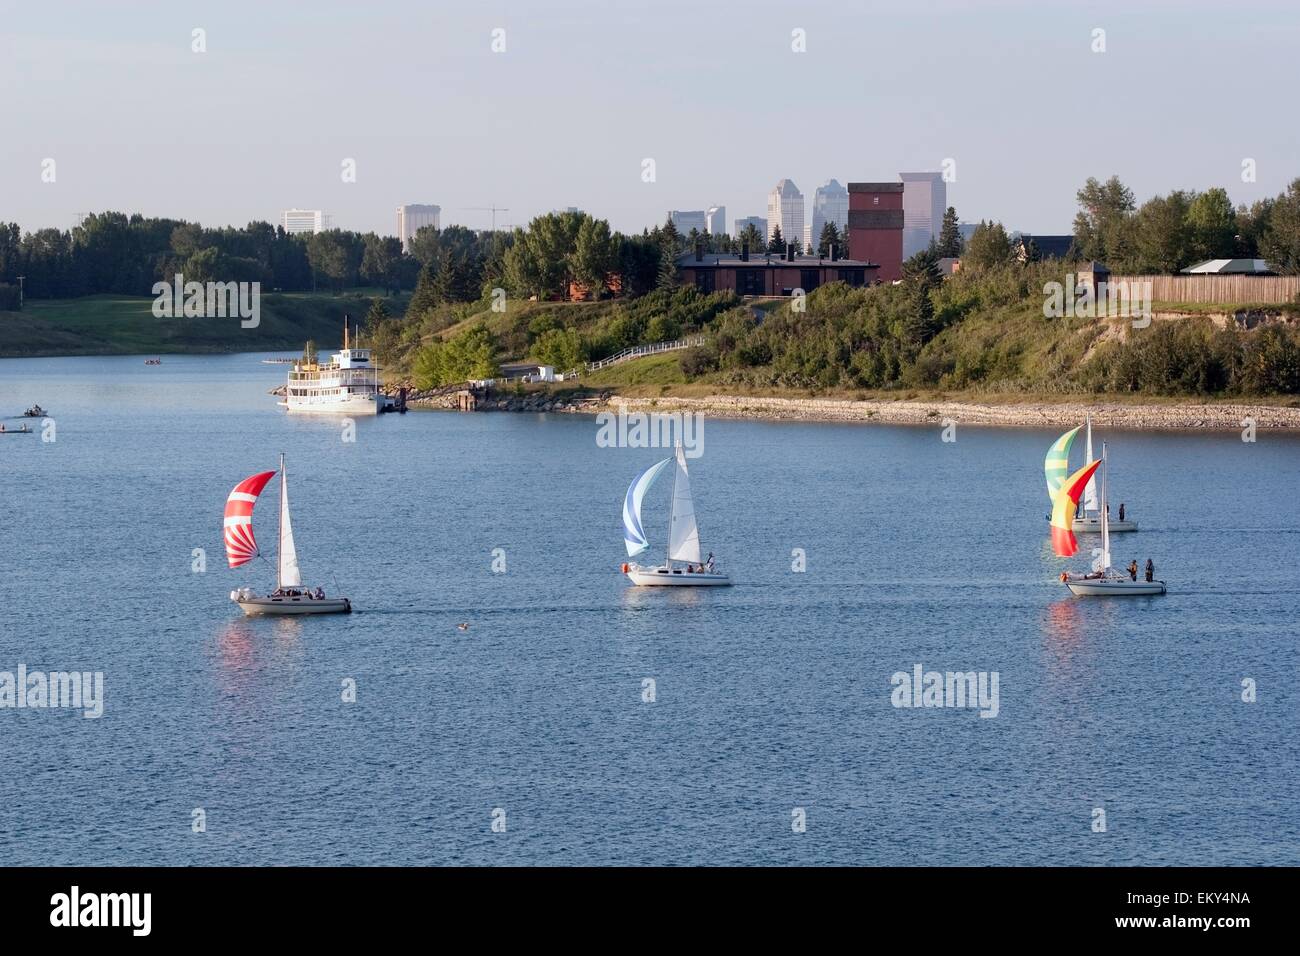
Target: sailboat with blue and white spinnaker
(683,534)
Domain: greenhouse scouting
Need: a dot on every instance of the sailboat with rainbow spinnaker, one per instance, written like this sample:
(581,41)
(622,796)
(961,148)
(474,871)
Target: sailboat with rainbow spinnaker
(1087,515)
(1103,579)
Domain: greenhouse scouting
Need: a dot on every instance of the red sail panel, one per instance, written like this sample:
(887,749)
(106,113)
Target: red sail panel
(241,546)
(1063,540)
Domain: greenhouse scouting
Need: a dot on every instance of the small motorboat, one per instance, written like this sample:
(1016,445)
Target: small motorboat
(153,361)
(17,431)
(289,596)
(683,534)
(35,412)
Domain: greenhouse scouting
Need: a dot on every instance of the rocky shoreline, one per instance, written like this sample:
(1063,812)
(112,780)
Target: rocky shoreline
(1108,414)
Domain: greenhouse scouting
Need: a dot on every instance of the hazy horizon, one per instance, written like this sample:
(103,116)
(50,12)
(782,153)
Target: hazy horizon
(263,120)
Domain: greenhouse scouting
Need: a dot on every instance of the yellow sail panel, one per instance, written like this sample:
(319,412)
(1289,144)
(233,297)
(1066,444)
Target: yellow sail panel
(1063,505)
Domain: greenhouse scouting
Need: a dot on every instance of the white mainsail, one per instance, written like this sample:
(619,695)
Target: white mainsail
(683,533)
(1090,492)
(290,577)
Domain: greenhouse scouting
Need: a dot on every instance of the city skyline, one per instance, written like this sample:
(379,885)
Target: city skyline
(239,166)
(925,198)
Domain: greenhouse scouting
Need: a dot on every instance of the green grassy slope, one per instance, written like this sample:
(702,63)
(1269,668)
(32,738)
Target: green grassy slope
(125,325)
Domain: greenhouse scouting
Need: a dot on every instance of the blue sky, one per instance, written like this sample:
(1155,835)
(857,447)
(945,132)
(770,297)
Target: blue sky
(710,89)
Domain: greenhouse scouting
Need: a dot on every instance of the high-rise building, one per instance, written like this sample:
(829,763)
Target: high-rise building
(830,204)
(414,217)
(924,200)
(304,220)
(876,226)
(785,209)
(716,220)
(687,220)
(758,222)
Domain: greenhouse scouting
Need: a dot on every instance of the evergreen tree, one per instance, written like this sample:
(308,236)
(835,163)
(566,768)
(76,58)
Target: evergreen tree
(950,242)
(776,242)
(669,235)
(751,236)
(425,297)
(830,237)
(377,315)
(445,278)
(921,276)
(667,276)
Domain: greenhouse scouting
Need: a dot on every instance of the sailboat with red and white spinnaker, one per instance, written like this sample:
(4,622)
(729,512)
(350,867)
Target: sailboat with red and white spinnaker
(289,596)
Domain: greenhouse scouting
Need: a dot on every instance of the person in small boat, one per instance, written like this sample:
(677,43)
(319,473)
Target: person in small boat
(1151,570)
(1133,569)
(1121,511)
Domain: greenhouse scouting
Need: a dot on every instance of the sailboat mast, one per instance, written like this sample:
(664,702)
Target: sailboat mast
(1105,515)
(672,503)
(279,546)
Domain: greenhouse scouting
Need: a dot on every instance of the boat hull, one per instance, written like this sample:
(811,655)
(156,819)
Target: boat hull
(1111,587)
(662,577)
(299,605)
(359,405)
(1093,525)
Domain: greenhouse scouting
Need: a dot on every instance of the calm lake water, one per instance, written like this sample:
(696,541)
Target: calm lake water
(770,696)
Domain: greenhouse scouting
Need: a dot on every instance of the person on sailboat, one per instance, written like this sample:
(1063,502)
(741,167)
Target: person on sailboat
(1151,570)
(1133,569)
(1121,511)
(709,563)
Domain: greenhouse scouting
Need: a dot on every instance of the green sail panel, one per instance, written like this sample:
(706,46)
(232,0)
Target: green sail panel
(1056,466)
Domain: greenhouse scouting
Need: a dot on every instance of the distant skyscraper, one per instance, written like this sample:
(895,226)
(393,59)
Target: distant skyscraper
(830,204)
(687,220)
(785,209)
(716,220)
(412,218)
(758,223)
(304,220)
(925,197)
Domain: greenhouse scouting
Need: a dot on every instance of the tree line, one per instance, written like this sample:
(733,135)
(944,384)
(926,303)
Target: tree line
(1163,235)
(112,252)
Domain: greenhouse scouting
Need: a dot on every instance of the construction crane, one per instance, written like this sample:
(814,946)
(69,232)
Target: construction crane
(494,209)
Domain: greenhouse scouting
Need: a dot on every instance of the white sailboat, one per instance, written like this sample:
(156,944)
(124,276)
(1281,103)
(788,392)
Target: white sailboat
(683,534)
(1089,520)
(1104,579)
(289,596)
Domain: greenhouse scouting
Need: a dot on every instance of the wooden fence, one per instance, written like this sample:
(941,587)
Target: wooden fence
(1229,290)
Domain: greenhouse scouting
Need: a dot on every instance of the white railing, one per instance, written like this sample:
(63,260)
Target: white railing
(637,351)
